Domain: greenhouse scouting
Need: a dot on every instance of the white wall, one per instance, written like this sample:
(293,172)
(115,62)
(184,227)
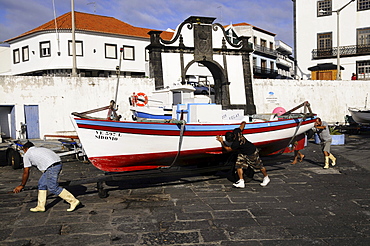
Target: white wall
(329,99)
(58,97)
(5,60)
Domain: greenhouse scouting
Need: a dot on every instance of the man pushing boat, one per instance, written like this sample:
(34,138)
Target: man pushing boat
(49,163)
(247,154)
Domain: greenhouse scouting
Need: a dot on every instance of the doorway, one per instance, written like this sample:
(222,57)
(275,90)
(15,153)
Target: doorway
(7,122)
(31,115)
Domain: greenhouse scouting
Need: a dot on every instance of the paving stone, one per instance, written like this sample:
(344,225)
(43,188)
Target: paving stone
(300,242)
(213,235)
(27,232)
(138,227)
(124,238)
(185,225)
(170,238)
(194,216)
(232,224)
(260,233)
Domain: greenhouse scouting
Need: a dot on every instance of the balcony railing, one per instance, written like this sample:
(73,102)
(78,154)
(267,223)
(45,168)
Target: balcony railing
(266,72)
(284,62)
(265,50)
(351,50)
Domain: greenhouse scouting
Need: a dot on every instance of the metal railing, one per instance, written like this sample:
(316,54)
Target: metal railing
(264,71)
(265,50)
(351,50)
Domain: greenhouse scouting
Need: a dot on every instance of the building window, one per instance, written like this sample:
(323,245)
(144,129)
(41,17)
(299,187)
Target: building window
(45,49)
(16,57)
(272,65)
(324,7)
(128,53)
(324,41)
(363,36)
(324,44)
(111,51)
(271,46)
(363,40)
(363,4)
(363,70)
(25,53)
(263,43)
(79,48)
(255,40)
(146,55)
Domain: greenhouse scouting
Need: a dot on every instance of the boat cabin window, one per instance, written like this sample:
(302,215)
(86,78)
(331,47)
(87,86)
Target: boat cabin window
(176,98)
(181,97)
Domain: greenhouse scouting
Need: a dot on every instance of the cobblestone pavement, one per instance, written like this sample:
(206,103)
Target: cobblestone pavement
(303,205)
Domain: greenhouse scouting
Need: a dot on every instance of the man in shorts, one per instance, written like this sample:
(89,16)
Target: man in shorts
(322,129)
(247,154)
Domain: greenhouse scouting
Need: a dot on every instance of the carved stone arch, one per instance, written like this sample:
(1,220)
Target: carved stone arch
(203,52)
(221,85)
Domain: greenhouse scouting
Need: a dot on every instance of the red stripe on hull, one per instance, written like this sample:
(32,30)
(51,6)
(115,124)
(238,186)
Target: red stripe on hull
(188,133)
(125,163)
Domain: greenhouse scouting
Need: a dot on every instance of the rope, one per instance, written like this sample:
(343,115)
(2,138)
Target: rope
(295,134)
(182,129)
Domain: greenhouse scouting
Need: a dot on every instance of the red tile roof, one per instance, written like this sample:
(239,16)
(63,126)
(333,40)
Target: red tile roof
(95,23)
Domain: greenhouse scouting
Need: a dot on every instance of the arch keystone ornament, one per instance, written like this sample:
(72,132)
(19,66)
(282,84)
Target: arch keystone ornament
(199,40)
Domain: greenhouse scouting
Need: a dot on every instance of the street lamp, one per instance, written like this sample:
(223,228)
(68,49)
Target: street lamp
(338,53)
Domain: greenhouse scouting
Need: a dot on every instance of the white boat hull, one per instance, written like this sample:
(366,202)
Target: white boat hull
(118,146)
(360,116)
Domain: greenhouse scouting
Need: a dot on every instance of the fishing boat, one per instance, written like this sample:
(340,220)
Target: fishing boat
(155,141)
(360,116)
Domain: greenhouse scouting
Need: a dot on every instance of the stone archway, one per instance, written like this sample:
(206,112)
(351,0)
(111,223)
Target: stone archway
(202,50)
(220,81)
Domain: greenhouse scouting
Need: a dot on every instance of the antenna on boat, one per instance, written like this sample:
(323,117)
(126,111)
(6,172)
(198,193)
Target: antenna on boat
(56,28)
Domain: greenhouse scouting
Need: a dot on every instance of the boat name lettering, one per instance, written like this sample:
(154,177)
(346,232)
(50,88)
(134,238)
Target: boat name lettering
(107,135)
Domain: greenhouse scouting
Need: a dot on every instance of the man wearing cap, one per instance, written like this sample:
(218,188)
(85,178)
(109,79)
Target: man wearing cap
(50,165)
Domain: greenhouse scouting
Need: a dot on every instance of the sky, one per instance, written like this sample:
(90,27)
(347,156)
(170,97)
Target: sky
(276,16)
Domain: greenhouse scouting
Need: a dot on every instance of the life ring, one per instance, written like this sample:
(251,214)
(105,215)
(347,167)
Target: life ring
(141,99)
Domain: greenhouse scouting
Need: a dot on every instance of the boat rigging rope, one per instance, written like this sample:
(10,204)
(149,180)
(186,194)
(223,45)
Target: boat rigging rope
(182,129)
(294,135)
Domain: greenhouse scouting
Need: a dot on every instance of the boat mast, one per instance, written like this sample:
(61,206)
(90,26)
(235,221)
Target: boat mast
(74,66)
(118,72)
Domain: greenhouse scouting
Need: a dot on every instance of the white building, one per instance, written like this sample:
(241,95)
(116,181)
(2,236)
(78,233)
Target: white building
(318,23)
(5,58)
(271,59)
(47,49)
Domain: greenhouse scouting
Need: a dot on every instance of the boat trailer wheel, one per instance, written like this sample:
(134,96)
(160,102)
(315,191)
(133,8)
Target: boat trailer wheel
(103,193)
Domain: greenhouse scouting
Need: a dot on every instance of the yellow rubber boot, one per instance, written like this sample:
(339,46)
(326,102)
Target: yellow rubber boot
(68,197)
(333,159)
(41,201)
(326,162)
